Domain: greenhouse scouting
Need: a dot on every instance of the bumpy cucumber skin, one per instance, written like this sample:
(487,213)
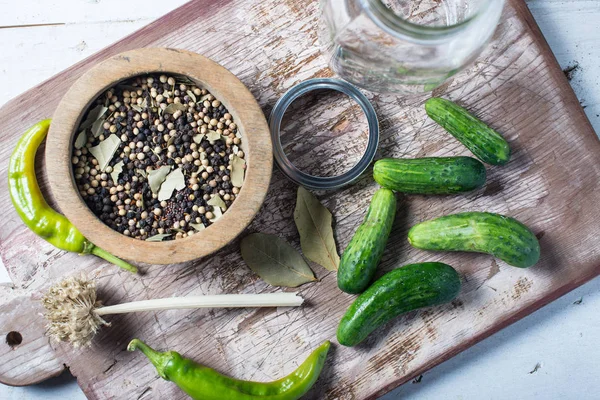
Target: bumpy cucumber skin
(399,291)
(361,257)
(487,144)
(430,175)
(481,232)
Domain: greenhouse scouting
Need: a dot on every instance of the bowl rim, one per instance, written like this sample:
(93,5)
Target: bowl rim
(225,86)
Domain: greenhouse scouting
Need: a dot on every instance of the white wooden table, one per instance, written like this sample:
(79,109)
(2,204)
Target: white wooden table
(39,38)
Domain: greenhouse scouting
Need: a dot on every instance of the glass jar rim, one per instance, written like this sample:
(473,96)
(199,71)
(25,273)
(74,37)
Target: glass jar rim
(398,26)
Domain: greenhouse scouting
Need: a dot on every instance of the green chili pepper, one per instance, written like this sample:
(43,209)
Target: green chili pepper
(32,207)
(203,383)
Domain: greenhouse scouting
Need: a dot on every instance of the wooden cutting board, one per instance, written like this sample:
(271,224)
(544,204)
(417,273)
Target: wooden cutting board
(550,184)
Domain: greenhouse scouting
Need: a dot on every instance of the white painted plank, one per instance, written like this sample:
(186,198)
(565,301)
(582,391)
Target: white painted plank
(27,12)
(572,28)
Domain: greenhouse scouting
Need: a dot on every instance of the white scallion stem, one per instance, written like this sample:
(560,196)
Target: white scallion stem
(209,301)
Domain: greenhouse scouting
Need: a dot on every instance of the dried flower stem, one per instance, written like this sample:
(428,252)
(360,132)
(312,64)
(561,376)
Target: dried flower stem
(221,300)
(74,312)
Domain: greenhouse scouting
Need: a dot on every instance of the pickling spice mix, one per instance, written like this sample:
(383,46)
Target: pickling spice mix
(158,158)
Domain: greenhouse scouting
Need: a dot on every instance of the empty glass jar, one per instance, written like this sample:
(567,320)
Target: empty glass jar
(405,46)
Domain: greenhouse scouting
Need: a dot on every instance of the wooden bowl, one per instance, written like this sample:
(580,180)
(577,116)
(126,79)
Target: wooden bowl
(256,144)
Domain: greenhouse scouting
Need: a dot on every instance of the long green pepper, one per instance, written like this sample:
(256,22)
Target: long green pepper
(203,383)
(33,209)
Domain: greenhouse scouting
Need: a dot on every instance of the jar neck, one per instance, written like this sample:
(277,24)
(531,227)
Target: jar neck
(400,27)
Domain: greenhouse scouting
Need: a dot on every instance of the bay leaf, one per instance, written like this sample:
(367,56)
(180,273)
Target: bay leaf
(275,260)
(94,114)
(236,149)
(198,227)
(237,171)
(174,181)
(81,139)
(313,221)
(198,171)
(213,136)
(105,150)
(117,169)
(192,95)
(141,172)
(171,108)
(144,104)
(157,176)
(159,237)
(198,138)
(205,97)
(182,79)
(217,201)
(97,127)
(137,108)
(218,214)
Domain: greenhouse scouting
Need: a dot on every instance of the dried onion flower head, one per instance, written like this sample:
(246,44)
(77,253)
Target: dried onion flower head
(70,310)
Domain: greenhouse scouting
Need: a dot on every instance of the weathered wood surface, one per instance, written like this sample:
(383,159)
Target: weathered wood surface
(550,184)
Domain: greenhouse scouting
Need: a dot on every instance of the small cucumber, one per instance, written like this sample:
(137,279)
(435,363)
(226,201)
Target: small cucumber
(365,249)
(399,291)
(487,144)
(481,232)
(430,175)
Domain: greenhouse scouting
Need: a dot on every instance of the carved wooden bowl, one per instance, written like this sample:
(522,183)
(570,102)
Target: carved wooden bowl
(256,144)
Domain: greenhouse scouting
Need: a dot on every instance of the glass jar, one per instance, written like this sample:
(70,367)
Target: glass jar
(402,45)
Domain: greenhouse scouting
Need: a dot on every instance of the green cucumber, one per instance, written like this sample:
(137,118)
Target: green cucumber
(481,232)
(487,144)
(397,292)
(361,257)
(430,175)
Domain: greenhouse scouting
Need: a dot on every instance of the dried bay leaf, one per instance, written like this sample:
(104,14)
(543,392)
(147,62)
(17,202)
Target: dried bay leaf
(237,171)
(313,221)
(182,79)
(213,136)
(198,138)
(275,260)
(94,114)
(137,108)
(81,139)
(217,201)
(192,95)
(218,214)
(117,169)
(159,237)
(198,227)
(171,108)
(105,150)
(141,172)
(97,127)
(157,176)
(174,181)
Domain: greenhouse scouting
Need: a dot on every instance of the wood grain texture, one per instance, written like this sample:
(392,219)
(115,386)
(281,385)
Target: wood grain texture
(256,144)
(550,185)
